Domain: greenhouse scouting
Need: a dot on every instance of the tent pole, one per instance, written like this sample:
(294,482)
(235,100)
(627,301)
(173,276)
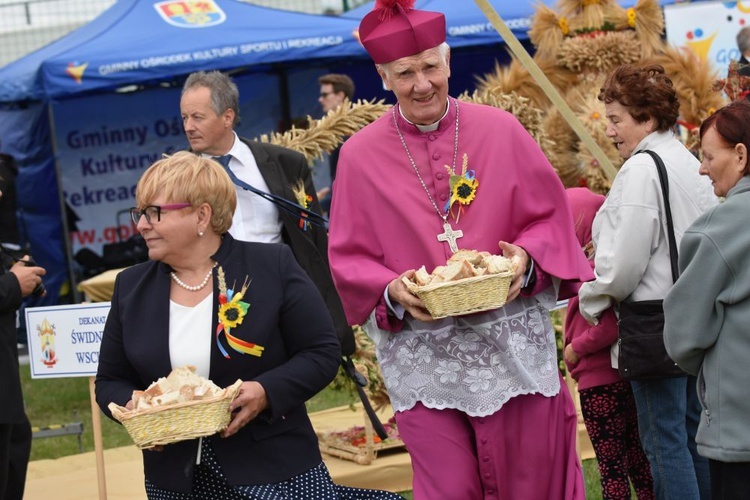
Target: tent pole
(66,231)
(286,108)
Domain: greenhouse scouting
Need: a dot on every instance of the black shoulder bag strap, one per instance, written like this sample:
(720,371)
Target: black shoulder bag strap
(664,180)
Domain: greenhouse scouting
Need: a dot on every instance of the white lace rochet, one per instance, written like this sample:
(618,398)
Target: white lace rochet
(474,363)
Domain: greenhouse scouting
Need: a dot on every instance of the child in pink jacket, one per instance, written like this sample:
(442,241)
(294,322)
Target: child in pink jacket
(607,402)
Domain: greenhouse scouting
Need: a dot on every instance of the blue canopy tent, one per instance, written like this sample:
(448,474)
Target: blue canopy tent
(475,44)
(467,26)
(141,41)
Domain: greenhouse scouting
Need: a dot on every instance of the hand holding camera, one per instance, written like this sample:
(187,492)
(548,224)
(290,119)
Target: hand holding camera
(29,277)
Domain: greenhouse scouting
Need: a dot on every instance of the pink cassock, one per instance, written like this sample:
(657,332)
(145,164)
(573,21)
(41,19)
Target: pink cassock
(383,223)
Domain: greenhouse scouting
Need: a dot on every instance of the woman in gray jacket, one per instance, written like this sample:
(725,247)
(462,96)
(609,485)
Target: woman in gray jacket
(707,311)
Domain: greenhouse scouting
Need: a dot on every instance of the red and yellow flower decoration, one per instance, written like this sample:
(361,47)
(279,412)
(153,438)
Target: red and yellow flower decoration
(304,201)
(232,310)
(463,188)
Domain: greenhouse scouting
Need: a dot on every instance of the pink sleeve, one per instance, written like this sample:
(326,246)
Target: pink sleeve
(542,282)
(386,321)
(599,336)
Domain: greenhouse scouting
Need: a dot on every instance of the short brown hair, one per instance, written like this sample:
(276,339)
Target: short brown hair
(646,91)
(340,83)
(187,177)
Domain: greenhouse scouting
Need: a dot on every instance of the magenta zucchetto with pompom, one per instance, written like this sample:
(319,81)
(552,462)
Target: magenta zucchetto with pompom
(394,29)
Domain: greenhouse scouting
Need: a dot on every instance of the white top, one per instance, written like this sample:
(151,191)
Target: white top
(629,230)
(255,219)
(190,335)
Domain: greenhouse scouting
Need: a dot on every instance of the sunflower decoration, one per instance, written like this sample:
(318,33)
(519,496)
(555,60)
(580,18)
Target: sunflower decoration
(232,310)
(304,201)
(463,188)
(631,17)
(564,26)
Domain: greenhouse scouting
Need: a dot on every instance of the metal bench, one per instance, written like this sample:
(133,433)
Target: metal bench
(74,428)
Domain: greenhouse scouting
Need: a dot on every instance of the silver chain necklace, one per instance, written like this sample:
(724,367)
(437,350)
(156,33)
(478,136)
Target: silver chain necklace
(448,233)
(193,288)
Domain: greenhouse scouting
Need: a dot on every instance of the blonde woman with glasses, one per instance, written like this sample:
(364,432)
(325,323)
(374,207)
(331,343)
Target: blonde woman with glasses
(233,310)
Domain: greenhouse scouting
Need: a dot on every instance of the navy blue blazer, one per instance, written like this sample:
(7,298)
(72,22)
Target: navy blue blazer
(287,316)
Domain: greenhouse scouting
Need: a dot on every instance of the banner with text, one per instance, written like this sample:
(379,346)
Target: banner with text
(105,142)
(64,341)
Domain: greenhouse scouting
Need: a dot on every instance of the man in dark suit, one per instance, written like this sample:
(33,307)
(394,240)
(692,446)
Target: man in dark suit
(210,110)
(16,282)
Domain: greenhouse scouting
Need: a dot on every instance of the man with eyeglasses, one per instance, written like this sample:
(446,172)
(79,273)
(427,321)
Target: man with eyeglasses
(334,89)
(278,180)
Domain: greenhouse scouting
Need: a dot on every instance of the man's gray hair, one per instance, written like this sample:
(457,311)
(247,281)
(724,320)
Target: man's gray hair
(743,40)
(224,93)
(443,49)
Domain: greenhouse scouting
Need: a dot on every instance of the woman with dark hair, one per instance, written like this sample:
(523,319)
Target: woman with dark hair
(707,310)
(632,260)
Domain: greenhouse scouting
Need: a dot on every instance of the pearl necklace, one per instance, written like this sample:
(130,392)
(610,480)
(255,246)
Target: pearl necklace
(195,288)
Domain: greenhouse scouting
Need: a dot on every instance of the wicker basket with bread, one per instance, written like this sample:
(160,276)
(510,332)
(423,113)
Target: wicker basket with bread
(175,408)
(470,282)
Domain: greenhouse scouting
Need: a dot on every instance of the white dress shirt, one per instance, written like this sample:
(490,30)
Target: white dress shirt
(255,219)
(190,335)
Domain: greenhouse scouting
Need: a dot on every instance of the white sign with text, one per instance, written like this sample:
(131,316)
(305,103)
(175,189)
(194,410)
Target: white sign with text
(64,341)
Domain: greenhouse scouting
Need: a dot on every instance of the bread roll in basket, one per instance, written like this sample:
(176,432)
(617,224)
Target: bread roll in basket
(470,282)
(175,408)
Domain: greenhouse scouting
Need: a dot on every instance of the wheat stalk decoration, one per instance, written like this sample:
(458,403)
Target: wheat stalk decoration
(326,134)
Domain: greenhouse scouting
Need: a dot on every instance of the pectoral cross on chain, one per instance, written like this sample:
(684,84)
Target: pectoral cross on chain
(450,236)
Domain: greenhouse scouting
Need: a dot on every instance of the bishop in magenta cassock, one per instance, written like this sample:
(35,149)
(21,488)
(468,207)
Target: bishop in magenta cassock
(478,399)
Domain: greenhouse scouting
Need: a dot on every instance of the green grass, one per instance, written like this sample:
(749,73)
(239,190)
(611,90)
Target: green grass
(65,400)
(61,401)
(591,480)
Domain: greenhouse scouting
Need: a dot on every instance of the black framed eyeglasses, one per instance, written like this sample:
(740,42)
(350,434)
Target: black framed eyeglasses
(326,94)
(154,211)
